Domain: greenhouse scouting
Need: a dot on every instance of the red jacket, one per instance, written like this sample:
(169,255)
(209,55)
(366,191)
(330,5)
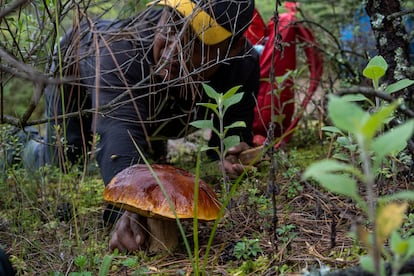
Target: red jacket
(284,102)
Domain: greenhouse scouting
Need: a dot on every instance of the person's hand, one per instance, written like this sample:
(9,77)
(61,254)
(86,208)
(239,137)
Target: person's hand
(129,234)
(232,165)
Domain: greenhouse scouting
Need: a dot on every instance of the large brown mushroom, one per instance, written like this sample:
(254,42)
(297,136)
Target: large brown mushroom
(135,189)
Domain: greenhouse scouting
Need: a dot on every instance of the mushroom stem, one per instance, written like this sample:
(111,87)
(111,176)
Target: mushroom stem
(163,235)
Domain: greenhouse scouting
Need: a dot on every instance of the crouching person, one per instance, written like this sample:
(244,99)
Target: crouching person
(136,81)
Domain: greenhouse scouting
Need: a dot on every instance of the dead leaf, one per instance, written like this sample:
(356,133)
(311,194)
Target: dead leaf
(389,217)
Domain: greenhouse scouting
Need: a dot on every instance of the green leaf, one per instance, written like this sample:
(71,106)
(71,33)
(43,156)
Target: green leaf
(211,92)
(341,184)
(203,124)
(105,265)
(130,262)
(341,156)
(375,68)
(397,244)
(345,141)
(236,124)
(281,79)
(404,195)
(345,115)
(80,261)
(329,174)
(232,91)
(211,106)
(332,129)
(393,141)
(231,141)
(374,72)
(232,100)
(326,166)
(206,148)
(355,98)
(410,251)
(374,122)
(20,24)
(367,263)
(399,85)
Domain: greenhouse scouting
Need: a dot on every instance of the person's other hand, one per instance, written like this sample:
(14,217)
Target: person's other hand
(129,233)
(232,165)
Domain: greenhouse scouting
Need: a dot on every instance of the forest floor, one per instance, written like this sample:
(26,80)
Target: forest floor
(51,223)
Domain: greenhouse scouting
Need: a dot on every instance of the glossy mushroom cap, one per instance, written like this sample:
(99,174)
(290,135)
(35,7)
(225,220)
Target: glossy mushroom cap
(135,189)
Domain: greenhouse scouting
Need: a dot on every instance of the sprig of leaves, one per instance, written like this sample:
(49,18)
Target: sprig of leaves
(374,144)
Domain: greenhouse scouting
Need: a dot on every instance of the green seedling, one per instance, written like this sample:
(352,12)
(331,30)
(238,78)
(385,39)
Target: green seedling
(220,105)
(247,249)
(374,144)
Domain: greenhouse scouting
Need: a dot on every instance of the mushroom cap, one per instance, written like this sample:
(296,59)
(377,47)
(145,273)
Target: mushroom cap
(135,189)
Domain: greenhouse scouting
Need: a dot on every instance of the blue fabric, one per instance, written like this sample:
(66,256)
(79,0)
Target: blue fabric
(358,37)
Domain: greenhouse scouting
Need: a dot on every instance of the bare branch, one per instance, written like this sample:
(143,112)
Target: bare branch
(399,14)
(370,92)
(11,7)
(15,67)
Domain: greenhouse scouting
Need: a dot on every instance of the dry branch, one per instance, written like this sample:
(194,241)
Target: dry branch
(370,92)
(11,7)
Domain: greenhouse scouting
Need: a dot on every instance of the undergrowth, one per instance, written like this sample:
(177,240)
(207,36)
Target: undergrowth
(52,224)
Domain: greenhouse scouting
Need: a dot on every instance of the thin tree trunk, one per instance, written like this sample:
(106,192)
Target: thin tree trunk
(392,42)
(391,38)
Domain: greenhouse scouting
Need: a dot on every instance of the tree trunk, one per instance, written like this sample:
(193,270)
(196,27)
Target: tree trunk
(391,38)
(392,42)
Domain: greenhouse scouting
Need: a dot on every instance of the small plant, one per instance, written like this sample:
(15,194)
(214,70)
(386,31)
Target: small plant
(258,201)
(258,266)
(247,249)
(283,269)
(130,262)
(285,232)
(81,262)
(294,186)
(222,103)
(11,146)
(374,143)
(408,226)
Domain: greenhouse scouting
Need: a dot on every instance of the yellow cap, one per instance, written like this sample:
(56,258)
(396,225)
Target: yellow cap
(205,27)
